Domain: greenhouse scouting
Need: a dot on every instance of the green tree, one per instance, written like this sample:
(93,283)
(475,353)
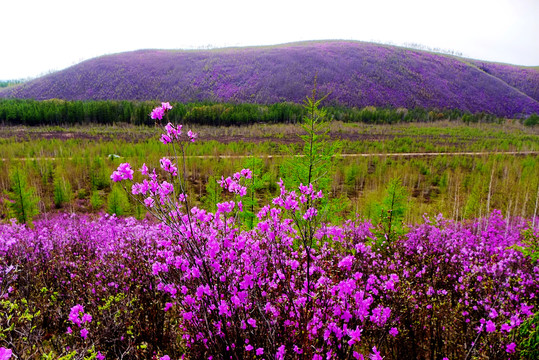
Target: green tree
(315,163)
(23,198)
(389,214)
(257,182)
(117,201)
(62,192)
(532,120)
(96,201)
(213,194)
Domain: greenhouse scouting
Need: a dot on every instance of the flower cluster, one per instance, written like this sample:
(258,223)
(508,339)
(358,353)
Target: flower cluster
(198,284)
(159,112)
(124,172)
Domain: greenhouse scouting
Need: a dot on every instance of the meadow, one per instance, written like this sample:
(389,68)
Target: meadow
(461,186)
(240,249)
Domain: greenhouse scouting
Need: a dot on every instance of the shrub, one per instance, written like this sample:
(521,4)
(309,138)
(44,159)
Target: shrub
(23,198)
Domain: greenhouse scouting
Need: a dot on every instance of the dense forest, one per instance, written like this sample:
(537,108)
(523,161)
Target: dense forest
(60,112)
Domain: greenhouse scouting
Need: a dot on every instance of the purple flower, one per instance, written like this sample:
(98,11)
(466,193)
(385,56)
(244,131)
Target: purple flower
(251,322)
(393,331)
(375,354)
(5,354)
(166,357)
(279,355)
(490,326)
(511,348)
(310,213)
(260,351)
(86,318)
(192,136)
(124,172)
(355,336)
(157,113)
(84,333)
(74,314)
(149,202)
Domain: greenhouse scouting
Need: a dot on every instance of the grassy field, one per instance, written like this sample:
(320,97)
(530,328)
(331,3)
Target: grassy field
(459,186)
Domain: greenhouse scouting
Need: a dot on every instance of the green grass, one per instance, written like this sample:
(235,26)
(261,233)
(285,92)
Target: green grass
(457,186)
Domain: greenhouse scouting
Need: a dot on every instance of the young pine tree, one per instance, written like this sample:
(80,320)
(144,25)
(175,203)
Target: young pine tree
(389,214)
(23,198)
(117,202)
(314,164)
(62,192)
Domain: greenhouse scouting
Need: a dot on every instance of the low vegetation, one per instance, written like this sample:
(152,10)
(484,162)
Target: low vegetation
(272,262)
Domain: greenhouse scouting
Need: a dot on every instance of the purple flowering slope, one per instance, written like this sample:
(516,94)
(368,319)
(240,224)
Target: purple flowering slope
(356,74)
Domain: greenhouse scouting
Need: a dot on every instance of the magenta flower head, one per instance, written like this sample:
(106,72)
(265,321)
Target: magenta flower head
(511,348)
(166,357)
(124,172)
(5,354)
(166,106)
(74,314)
(157,113)
(192,136)
(84,333)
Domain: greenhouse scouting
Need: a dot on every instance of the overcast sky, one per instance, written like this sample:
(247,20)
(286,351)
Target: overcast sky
(39,36)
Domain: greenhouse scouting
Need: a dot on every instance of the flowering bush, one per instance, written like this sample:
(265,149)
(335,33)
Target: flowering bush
(199,284)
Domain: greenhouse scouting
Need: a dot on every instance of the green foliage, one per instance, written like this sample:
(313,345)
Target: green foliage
(389,213)
(117,201)
(99,174)
(259,181)
(530,244)
(140,211)
(528,334)
(23,198)
(96,202)
(213,194)
(314,164)
(62,192)
(532,120)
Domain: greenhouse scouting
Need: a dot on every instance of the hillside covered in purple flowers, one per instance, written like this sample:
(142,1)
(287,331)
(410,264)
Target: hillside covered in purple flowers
(353,73)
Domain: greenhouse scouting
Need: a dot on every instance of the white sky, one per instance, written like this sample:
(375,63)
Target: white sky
(39,36)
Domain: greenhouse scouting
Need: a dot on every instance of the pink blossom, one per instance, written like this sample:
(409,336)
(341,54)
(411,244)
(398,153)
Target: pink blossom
(310,213)
(511,348)
(5,354)
(393,331)
(166,106)
(490,326)
(375,354)
(157,113)
(149,202)
(84,333)
(192,136)
(124,172)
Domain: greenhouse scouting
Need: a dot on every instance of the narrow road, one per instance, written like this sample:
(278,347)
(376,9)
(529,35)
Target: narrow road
(408,154)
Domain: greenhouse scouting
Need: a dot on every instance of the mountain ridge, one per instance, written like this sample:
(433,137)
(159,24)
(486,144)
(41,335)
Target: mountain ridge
(355,74)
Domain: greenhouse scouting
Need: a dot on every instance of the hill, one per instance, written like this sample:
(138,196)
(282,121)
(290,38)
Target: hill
(353,73)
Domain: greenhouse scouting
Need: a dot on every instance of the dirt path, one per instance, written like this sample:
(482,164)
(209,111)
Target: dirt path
(407,154)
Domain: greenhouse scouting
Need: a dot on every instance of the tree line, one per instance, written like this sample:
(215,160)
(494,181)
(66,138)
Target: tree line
(57,112)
